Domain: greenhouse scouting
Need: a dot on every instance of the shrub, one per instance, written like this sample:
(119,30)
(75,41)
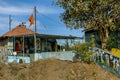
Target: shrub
(83,49)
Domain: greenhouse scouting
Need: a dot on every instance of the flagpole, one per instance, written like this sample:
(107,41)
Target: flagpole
(9,30)
(35,17)
(35,29)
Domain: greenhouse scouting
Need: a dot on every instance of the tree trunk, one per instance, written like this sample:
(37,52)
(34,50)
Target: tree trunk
(104,34)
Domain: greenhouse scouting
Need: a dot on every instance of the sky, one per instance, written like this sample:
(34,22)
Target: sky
(48,17)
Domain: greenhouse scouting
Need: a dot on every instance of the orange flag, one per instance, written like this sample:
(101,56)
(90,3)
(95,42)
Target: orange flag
(31,19)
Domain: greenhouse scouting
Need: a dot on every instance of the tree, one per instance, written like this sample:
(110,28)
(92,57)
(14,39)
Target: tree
(101,15)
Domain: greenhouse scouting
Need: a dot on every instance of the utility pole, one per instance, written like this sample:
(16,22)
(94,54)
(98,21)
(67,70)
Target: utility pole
(35,29)
(9,22)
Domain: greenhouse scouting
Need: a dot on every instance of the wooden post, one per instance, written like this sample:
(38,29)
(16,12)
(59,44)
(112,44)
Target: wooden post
(23,48)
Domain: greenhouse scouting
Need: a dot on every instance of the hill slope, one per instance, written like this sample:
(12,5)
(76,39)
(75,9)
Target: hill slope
(52,69)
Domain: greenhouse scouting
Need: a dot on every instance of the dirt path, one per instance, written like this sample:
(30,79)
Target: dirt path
(52,69)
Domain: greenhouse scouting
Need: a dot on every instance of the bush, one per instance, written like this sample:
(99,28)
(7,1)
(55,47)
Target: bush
(83,49)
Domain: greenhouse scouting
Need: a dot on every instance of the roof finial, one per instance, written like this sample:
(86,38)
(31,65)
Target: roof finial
(23,24)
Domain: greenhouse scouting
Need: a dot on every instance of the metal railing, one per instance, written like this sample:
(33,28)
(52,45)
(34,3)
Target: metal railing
(107,60)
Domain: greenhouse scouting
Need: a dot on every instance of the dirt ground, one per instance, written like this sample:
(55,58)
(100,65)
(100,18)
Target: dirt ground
(52,69)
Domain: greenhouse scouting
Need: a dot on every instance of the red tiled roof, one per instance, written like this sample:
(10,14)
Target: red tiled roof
(19,31)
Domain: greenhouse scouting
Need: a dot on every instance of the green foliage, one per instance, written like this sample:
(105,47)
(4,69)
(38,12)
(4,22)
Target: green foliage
(92,40)
(102,15)
(98,41)
(83,48)
(90,13)
(111,43)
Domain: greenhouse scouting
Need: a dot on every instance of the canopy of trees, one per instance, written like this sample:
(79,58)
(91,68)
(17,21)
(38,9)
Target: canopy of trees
(101,15)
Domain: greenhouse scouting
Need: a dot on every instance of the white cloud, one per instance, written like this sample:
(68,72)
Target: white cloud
(47,10)
(6,8)
(23,10)
(14,10)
